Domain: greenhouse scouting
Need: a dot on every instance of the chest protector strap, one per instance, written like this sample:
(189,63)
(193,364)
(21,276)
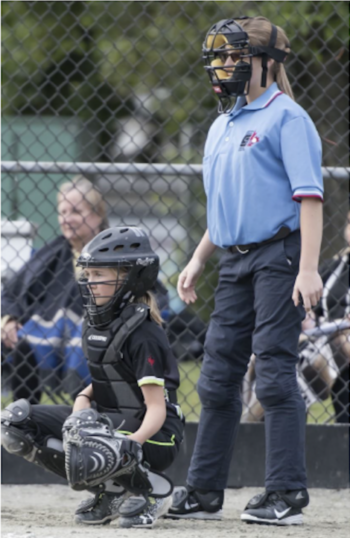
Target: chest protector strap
(103,347)
(124,331)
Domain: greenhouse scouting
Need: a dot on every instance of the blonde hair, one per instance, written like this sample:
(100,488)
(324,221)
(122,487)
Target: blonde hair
(259,32)
(91,195)
(148,299)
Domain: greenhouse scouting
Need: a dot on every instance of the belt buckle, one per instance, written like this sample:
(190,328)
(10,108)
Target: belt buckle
(242,251)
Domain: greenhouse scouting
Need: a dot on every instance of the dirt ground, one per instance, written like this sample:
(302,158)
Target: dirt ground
(46,511)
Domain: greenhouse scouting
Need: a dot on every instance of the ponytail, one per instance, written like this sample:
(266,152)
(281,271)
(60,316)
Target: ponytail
(150,301)
(259,32)
(282,80)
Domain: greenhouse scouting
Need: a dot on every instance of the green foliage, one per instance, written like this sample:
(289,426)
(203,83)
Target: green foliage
(89,58)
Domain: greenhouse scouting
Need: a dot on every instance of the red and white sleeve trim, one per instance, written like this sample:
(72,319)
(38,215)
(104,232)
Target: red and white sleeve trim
(299,197)
(307,192)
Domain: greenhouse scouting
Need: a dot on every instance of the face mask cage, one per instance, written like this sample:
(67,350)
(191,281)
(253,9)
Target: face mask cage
(104,314)
(227,38)
(224,39)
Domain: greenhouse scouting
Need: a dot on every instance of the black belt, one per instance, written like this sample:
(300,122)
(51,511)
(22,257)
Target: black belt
(243,249)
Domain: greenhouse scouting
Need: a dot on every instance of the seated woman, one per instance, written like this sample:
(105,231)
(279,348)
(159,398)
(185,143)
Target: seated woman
(41,305)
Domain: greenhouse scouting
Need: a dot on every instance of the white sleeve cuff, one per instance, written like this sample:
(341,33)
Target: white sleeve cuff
(299,194)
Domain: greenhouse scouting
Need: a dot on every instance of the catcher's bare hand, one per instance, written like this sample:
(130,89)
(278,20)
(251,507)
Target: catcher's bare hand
(188,279)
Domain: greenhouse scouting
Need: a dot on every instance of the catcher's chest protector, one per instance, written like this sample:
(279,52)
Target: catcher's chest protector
(114,383)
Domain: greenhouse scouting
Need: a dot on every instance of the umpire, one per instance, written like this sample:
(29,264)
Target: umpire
(263,181)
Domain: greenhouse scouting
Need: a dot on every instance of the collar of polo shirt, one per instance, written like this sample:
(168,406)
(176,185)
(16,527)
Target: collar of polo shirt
(261,102)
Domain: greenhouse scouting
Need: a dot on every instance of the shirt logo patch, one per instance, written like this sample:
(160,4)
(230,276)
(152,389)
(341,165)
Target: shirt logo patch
(151,361)
(249,139)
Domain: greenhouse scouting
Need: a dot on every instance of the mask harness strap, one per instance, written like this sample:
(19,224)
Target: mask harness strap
(271,45)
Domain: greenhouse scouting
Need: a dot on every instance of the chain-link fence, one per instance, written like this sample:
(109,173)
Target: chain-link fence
(123,82)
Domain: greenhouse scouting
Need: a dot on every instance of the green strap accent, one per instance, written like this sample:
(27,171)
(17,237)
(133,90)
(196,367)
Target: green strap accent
(171,443)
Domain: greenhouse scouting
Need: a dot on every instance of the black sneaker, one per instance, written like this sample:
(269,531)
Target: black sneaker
(154,509)
(101,509)
(276,508)
(194,504)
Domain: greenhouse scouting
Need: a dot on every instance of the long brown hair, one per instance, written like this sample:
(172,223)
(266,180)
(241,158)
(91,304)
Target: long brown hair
(259,31)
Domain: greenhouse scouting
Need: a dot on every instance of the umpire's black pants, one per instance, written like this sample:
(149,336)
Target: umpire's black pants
(253,312)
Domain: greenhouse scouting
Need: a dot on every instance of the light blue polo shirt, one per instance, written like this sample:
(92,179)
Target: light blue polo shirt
(259,161)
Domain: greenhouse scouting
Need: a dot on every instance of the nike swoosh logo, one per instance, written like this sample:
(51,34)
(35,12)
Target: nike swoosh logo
(279,515)
(299,496)
(215,502)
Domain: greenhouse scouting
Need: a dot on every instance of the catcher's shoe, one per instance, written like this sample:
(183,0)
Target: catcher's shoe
(155,508)
(101,509)
(193,504)
(276,508)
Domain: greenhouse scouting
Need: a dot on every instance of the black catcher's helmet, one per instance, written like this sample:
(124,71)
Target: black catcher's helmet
(124,247)
(226,37)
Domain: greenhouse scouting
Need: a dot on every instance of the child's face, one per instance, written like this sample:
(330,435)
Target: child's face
(110,282)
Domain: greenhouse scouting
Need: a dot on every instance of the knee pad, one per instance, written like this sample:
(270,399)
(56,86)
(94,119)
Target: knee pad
(20,442)
(14,437)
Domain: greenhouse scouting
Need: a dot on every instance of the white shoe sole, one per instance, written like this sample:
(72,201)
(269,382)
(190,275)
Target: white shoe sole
(211,516)
(291,520)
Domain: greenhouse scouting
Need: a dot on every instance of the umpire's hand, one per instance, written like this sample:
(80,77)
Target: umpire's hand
(308,286)
(188,279)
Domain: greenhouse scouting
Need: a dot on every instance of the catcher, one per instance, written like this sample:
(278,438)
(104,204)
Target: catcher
(126,427)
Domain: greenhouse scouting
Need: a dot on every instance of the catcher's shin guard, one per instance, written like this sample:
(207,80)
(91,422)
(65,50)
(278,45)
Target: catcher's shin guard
(93,453)
(143,481)
(18,433)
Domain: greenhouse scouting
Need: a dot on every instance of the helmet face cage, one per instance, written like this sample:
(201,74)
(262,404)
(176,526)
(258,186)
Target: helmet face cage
(102,314)
(225,38)
(126,249)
